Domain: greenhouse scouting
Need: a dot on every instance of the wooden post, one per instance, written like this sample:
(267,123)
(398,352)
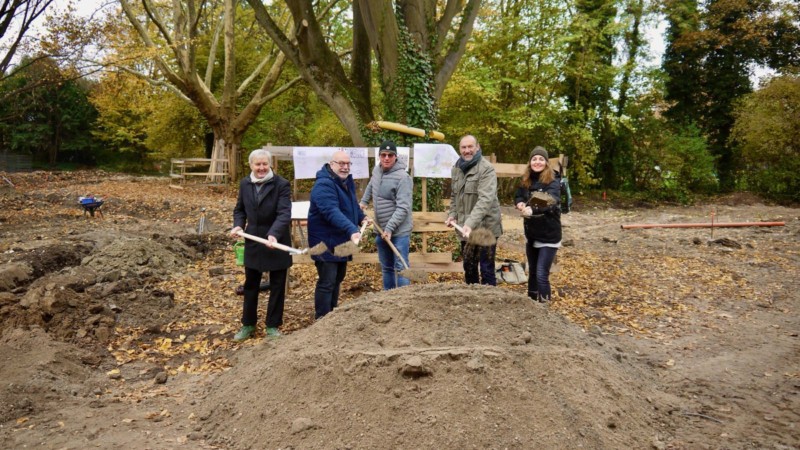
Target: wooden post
(424,209)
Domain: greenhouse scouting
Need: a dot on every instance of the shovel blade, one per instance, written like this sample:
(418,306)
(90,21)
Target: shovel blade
(415,275)
(481,237)
(349,248)
(318,249)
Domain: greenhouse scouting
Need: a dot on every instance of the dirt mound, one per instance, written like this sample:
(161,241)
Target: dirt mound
(739,199)
(137,257)
(38,373)
(434,366)
(81,291)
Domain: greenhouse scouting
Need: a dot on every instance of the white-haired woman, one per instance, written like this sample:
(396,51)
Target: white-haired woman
(263,209)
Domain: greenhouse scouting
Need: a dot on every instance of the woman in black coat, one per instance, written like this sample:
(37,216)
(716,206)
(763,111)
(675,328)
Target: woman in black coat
(263,209)
(542,221)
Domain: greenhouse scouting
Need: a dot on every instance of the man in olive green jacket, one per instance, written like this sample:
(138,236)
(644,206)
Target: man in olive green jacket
(474,204)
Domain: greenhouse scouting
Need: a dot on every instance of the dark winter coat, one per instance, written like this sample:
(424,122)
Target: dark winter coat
(334,214)
(545,224)
(272,216)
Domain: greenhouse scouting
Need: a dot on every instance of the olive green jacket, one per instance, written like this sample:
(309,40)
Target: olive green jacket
(473,201)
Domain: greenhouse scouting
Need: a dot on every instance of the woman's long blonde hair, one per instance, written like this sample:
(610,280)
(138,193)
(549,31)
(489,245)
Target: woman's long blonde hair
(546,177)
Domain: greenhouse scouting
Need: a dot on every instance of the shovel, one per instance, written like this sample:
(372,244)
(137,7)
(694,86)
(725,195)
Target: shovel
(480,237)
(411,274)
(315,250)
(350,247)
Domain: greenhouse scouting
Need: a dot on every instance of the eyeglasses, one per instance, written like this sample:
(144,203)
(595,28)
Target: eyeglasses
(342,163)
(387,155)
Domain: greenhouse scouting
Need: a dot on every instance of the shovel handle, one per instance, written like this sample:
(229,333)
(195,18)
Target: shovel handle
(391,245)
(277,245)
(460,229)
(361,232)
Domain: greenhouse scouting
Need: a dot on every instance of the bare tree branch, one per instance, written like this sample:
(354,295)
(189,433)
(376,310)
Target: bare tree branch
(452,8)
(448,63)
(153,15)
(158,83)
(212,53)
(274,94)
(140,30)
(10,11)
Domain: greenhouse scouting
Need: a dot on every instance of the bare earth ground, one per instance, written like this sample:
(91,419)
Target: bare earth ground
(116,333)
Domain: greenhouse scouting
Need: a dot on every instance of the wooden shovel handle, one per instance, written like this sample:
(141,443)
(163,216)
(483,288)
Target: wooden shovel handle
(277,245)
(391,245)
(361,232)
(460,230)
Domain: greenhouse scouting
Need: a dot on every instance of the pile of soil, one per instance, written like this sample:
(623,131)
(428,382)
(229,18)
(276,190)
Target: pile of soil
(77,288)
(435,366)
(38,373)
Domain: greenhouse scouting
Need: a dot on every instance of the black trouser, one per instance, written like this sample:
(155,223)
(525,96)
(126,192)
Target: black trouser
(475,256)
(277,296)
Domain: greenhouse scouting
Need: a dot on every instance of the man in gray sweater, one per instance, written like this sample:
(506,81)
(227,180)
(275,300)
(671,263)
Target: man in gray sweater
(390,189)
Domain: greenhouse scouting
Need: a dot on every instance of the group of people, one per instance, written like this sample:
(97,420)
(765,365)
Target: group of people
(336,216)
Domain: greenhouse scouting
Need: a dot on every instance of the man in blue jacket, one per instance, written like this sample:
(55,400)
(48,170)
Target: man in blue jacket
(333,218)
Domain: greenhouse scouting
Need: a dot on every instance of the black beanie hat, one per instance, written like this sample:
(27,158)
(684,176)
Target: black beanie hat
(387,146)
(538,150)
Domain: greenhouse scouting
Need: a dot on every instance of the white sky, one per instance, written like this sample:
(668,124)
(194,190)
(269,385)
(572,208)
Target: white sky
(87,7)
(84,7)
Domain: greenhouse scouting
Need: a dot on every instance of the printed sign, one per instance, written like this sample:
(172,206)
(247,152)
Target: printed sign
(309,160)
(434,160)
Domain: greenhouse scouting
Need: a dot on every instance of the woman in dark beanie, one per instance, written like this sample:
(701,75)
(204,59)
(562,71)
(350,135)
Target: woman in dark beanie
(538,198)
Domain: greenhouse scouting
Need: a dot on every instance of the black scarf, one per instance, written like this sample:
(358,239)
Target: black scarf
(466,165)
(259,187)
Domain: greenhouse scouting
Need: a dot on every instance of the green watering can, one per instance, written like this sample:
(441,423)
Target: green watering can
(238,249)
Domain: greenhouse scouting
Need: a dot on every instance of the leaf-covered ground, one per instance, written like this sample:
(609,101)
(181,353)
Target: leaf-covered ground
(713,313)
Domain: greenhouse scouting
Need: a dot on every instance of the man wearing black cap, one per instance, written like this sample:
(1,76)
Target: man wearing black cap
(390,189)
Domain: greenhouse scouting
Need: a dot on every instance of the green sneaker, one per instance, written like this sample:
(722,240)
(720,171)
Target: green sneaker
(273,333)
(244,333)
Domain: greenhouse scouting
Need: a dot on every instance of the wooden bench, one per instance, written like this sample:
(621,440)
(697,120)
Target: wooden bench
(183,168)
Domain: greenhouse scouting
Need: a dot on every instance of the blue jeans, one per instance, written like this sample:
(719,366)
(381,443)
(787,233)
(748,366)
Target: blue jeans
(390,263)
(479,256)
(330,277)
(539,262)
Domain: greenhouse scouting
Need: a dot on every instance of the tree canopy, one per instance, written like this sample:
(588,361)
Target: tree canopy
(576,76)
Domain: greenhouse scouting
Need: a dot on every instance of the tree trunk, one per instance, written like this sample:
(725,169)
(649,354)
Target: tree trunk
(55,143)
(179,65)
(376,22)
(227,145)
(634,41)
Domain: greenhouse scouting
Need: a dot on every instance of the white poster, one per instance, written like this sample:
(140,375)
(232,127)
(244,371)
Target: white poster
(360,161)
(308,160)
(300,210)
(434,160)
